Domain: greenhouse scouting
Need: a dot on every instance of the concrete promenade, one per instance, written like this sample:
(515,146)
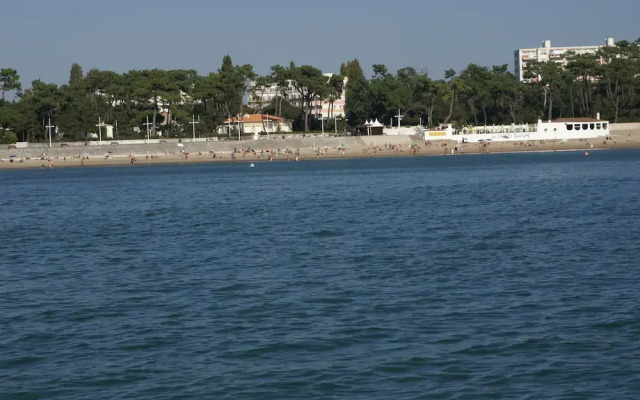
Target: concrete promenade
(79,149)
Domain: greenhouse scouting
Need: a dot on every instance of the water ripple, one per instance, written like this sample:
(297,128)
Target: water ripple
(505,276)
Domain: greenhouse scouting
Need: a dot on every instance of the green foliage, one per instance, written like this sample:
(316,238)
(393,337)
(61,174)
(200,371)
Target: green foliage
(359,100)
(308,81)
(9,80)
(8,116)
(8,137)
(75,75)
(608,82)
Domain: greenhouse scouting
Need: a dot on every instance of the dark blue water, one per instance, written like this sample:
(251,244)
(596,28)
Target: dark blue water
(488,276)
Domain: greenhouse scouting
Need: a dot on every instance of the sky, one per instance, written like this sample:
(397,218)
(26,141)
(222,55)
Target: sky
(41,39)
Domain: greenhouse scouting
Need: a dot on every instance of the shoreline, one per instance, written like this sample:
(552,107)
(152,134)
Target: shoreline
(431,150)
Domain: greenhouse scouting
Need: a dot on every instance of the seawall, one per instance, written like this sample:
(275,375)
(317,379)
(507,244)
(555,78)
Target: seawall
(120,148)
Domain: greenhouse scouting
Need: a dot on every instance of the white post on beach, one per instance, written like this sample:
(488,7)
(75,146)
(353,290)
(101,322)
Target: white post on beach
(322,118)
(193,123)
(148,130)
(238,116)
(49,131)
(335,125)
(100,125)
(267,126)
(399,116)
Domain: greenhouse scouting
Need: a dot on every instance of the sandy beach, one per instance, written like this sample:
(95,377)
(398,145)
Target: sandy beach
(290,150)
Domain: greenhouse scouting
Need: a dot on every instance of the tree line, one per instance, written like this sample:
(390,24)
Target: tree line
(606,82)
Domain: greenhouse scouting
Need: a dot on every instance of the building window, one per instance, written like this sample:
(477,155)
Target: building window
(592,126)
(604,126)
(569,127)
(598,126)
(585,126)
(577,126)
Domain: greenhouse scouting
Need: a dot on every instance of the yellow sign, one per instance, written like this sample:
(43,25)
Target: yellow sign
(437,133)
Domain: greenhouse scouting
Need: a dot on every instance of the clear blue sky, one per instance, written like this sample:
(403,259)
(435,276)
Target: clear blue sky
(42,38)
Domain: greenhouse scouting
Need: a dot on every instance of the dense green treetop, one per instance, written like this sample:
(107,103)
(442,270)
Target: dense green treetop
(607,82)
(9,80)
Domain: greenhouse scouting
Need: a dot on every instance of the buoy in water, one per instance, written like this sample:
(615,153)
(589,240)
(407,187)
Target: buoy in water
(251,165)
(586,153)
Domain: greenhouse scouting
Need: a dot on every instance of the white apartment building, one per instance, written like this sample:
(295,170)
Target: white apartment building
(320,108)
(548,53)
(261,97)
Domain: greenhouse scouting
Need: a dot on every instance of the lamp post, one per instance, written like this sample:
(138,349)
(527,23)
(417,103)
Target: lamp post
(100,125)
(322,118)
(193,123)
(148,131)
(399,116)
(267,126)
(49,126)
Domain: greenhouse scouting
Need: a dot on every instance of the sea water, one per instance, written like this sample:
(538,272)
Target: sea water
(458,277)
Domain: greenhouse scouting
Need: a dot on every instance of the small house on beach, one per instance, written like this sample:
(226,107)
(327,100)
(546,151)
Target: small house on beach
(255,124)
